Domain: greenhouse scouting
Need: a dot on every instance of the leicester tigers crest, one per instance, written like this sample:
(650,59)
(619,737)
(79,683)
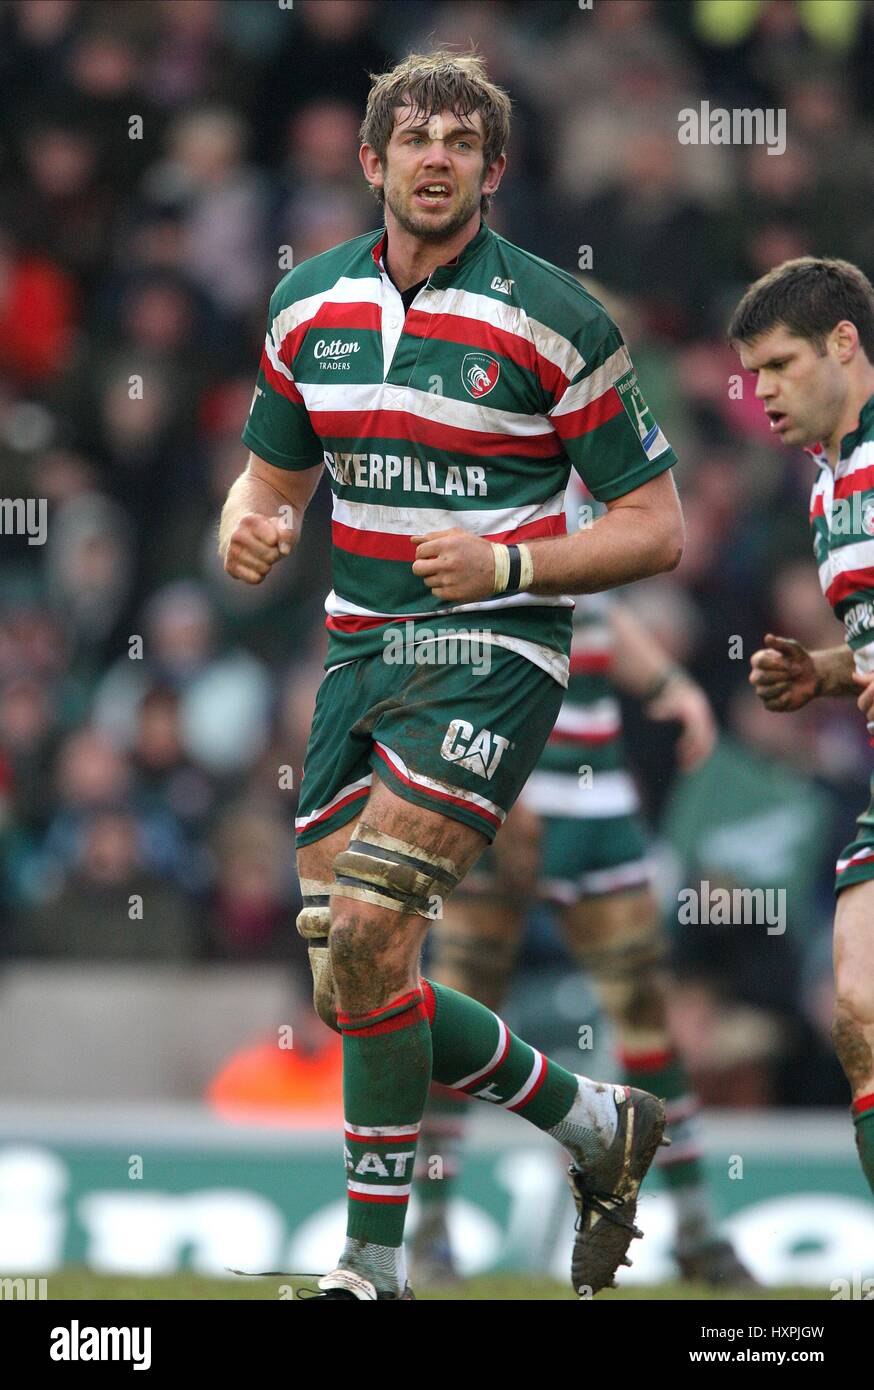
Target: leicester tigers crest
(479,373)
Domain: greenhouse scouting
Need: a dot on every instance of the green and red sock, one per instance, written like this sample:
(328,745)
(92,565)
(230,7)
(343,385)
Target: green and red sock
(863,1118)
(475,1053)
(386,1076)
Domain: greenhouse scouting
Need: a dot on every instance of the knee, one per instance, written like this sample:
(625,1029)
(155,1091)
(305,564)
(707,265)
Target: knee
(851,1044)
(638,999)
(854,993)
(371,960)
(357,942)
(481,966)
(348,939)
(630,981)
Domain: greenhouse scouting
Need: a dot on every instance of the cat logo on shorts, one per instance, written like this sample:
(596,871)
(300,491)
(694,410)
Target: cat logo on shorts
(479,373)
(480,755)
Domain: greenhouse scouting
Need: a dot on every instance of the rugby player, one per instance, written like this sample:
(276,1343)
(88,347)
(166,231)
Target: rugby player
(447,380)
(575,840)
(805,330)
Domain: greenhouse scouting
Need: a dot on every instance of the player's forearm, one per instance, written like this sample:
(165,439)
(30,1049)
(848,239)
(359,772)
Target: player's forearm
(618,548)
(253,492)
(834,668)
(639,664)
(249,494)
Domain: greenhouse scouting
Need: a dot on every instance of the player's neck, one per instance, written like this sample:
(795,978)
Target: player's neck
(409,259)
(861,390)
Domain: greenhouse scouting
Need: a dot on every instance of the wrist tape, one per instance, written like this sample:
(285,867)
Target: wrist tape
(514,569)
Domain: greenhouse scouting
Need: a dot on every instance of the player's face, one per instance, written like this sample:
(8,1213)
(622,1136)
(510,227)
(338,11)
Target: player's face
(433,173)
(802,391)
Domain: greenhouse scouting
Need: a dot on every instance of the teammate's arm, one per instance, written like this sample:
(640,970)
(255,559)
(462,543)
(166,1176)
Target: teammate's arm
(641,668)
(262,517)
(786,676)
(835,668)
(639,664)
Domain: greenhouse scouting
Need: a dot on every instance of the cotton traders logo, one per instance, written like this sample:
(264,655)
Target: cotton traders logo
(479,373)
(336,348)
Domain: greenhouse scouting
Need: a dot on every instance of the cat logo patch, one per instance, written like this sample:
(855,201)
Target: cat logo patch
(480,754)
(479,373)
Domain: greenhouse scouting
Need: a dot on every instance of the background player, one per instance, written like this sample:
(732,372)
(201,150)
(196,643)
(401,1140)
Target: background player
(430,316)
(806,332)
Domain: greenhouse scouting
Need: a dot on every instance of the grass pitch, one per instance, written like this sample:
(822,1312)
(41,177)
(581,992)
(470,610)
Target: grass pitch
(497,1288)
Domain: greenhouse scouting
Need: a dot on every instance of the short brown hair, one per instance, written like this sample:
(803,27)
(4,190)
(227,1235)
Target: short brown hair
(808,296)
(431,83)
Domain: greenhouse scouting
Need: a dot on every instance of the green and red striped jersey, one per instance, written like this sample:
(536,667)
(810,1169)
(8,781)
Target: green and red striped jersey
(588,730)
(583,770)
(842,519)
(467,410)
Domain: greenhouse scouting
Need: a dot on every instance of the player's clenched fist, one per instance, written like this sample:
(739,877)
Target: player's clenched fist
(256,543)
(457,566)
(783,674)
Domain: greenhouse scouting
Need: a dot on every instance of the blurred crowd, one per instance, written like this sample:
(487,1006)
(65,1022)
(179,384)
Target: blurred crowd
(161,161)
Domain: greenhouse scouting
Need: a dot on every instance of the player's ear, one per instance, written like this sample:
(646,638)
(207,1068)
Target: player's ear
(493,174)
(372,165)
(845,337)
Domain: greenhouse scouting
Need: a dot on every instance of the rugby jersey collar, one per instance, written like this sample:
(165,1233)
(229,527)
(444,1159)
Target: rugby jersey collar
(445,274)
(855,437)
(850,441)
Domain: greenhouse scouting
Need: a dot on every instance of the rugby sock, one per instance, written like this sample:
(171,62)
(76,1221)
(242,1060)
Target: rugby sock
(386,1075)
(478,966)
(863,1118)
(475,1053)
(660,1070)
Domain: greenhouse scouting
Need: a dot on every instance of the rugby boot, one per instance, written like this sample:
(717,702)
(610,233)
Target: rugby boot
(345,1284)
(605,1191)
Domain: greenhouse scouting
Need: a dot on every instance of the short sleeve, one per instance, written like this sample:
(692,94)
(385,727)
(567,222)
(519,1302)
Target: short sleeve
(278,429)
(605,424)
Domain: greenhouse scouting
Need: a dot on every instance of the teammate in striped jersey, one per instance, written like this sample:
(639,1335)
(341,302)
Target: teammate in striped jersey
(447,381)
(806,332)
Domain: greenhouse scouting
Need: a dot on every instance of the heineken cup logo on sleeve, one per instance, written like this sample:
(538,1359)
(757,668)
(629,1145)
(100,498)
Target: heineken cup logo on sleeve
(651,438)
